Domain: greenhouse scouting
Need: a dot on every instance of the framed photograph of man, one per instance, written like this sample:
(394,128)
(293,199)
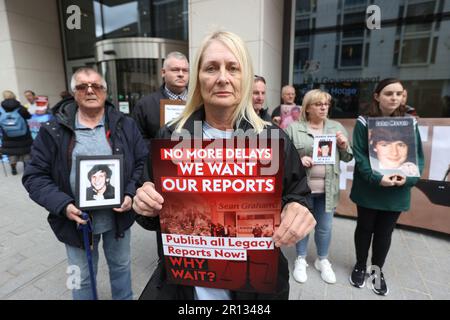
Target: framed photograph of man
(99,182)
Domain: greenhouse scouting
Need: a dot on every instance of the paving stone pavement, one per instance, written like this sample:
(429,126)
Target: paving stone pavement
(33,263)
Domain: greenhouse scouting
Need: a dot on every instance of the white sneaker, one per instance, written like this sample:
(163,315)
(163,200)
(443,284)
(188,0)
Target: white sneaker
(299,272)
(326,272)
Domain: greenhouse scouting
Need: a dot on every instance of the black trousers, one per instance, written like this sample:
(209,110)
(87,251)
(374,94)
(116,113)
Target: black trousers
(380,224)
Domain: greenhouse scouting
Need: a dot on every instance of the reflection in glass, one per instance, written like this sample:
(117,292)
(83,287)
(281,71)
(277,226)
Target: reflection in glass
(415,50)
(351,55)
(354,25)
(419,10)
(301,30)
(300,58)
(136,78)
(116,21)
(141,18)
(306,6)
(350,3)
(107,19)
(353,59)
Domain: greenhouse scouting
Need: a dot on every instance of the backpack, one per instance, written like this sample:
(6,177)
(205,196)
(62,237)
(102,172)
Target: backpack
(12,123)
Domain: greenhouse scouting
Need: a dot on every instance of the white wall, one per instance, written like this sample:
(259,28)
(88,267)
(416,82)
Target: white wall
(258,22)
(8,79)
(29,30)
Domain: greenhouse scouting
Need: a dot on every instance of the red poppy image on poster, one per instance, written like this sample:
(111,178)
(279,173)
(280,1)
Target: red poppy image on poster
(222,204)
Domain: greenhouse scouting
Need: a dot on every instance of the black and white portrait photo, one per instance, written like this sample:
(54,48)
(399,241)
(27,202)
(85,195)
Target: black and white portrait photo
(100,178)
(99,182)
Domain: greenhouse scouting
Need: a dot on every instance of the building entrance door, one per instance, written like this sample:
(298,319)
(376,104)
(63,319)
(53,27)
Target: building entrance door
(131,67)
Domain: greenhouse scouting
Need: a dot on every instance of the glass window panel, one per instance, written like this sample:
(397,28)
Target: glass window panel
(415,50)
(350,3)
(396,52)
(302,24)
(434,48)
(440,9)
(419,27)
(141,18)
(418,10)
(351,55)
(336,57)
(399,17)
(170,19)
(428,84)
(366,55)
(354,24)
(300,57)
(302,31)
(306,6)
(135,78)
(117,21)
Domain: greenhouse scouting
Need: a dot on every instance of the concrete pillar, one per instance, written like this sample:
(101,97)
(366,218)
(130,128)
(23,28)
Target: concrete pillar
(30,48)
(258,22)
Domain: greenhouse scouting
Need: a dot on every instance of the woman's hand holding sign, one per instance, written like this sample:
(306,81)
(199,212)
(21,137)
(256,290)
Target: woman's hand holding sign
(147,201)
(296,223)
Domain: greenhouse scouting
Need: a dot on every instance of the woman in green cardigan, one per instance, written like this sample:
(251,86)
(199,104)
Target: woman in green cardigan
(379,198)
(323,180)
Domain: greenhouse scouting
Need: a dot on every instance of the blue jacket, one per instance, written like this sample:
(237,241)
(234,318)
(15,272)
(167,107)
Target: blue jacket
(46,177)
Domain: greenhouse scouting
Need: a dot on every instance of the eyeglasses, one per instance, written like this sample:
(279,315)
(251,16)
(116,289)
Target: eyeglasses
(259,78)
(320,104)
(94,86)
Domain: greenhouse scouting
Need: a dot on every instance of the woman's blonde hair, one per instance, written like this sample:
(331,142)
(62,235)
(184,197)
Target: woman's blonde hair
(8,94)
(245,108)
(310,98)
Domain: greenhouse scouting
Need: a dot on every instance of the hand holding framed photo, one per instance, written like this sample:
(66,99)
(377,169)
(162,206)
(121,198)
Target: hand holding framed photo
(99,182)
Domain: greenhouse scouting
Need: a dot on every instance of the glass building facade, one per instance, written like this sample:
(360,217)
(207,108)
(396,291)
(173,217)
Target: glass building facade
(109,19)
(127,42)
(335,50)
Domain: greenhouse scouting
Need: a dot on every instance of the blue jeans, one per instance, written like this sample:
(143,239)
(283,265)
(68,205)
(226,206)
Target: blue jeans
(322,231)
(118,256)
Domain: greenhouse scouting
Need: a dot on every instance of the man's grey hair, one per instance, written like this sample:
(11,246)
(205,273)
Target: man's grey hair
(284,88)
(86,70)
(176,55)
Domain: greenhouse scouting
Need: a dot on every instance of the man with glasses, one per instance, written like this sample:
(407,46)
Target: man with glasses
(84,125)
(175,73)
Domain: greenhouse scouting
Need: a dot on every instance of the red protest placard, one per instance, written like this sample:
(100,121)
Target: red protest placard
(222,203)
